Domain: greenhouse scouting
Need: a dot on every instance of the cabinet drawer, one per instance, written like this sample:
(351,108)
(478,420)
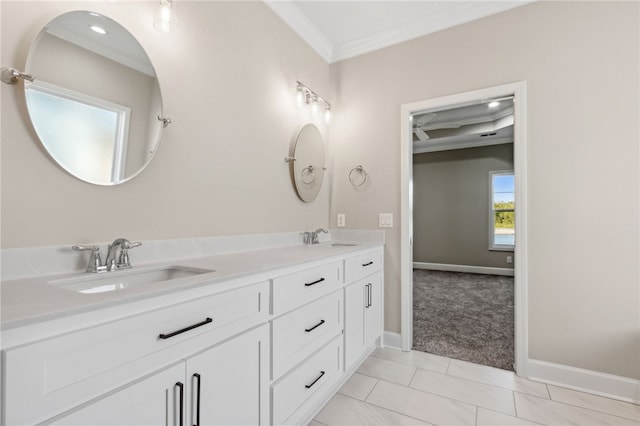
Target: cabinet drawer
(306,380)
(53,375)
(360,266)
(292,290)
(300,333)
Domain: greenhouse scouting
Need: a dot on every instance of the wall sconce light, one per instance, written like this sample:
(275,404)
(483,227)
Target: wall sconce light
(165,18)
(306,96)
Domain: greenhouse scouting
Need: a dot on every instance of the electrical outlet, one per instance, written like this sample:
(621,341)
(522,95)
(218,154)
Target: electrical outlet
(385,220)
(509,259)
(341,220)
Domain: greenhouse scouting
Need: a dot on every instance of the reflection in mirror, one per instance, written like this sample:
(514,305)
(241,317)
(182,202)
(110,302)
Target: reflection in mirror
(308,167)
(95,100)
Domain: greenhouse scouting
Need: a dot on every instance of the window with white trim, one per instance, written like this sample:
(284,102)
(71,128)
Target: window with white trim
(502,210)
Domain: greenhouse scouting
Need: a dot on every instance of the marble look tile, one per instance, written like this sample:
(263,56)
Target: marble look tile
(556,413)
(421,405)
(497,377)
(492,418)
(358,386)
(594,402)
(475,393)
(387,370)
(342,410)
(415,359)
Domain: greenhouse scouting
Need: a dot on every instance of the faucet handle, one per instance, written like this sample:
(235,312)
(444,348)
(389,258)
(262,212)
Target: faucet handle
(95,263)
(123,260)
(306,237)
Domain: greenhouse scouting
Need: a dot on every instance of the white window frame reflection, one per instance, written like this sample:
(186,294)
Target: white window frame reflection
(120,124)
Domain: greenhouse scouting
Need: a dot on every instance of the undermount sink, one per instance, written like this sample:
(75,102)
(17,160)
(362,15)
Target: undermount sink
(119,280)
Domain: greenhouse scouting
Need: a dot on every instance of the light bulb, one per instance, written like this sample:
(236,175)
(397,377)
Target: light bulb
(165,18)
(327,114)
(299,95)
(314,104)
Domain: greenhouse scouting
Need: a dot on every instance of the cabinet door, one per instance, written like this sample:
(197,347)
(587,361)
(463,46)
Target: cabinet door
(153,401)
(363,317)
(229,384)
(355,300)
(373,309)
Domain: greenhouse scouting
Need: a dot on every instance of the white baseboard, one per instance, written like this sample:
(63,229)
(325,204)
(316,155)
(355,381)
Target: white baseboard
(464,268)
(603,384)
(392,340)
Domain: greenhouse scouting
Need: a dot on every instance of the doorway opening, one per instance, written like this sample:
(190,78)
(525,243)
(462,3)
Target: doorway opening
(420,123)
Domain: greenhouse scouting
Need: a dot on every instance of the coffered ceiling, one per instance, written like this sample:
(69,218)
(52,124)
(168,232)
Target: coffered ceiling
(339,29)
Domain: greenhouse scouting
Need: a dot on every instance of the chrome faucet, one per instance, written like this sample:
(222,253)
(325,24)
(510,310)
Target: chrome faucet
(314,235)
(123,260)
(110,264)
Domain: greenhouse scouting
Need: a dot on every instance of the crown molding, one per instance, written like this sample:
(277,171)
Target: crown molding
(458,13)
(301,25)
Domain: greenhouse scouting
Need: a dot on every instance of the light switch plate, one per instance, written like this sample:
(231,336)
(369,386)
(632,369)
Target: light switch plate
(385,220)
(341,220)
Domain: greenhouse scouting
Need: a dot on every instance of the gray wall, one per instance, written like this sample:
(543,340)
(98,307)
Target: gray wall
(581,62)
(451,202)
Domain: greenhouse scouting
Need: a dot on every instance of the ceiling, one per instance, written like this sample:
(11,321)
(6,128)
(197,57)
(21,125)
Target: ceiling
(489,122)
(339,29)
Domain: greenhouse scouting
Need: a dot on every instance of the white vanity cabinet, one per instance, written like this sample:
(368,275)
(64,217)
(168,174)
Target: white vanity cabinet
(363,305)
(228,384)
(223,385)
(45,378)
(363,321)
(152,401)
(268,347)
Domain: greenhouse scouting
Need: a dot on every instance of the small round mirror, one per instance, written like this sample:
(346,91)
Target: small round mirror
(95,101)
(308,167)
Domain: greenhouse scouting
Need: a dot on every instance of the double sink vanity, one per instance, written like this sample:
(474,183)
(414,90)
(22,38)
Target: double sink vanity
(250,337)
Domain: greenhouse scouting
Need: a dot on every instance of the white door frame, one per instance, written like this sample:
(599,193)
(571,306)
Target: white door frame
(518,90)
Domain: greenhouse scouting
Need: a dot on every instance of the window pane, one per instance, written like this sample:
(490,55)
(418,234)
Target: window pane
(79,136)
(504,228)
(503,189)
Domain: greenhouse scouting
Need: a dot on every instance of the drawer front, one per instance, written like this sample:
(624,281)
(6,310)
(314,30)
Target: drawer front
(293,290)
(360,266)
(57,374)
(300,333)
(306,380)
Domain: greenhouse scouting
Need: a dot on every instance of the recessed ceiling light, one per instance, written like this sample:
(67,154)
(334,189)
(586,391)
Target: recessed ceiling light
(97,29)
(493,104)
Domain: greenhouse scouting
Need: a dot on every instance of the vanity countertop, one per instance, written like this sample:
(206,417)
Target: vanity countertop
(33,300)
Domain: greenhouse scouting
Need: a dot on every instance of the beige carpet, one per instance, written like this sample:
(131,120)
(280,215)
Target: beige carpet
(464,316)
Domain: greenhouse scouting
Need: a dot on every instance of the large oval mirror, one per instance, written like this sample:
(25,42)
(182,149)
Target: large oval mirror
(95,100)
(308,167)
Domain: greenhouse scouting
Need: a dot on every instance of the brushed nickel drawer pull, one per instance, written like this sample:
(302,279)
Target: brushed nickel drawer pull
(314,327)
(314,382)
(191,327)
(315,282)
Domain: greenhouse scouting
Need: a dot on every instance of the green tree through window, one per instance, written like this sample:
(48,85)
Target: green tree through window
(502,211)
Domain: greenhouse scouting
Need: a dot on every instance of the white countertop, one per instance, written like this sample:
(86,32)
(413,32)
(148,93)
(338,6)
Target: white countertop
(33,300)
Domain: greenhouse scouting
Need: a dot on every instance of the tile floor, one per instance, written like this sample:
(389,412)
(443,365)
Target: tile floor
(415,388)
